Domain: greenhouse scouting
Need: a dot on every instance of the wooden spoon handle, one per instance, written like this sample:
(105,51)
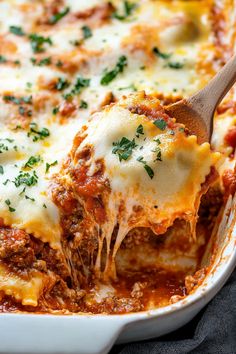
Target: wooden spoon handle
(205,101)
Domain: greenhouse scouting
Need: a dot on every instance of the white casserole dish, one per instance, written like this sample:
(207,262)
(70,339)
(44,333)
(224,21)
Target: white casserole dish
(95,334)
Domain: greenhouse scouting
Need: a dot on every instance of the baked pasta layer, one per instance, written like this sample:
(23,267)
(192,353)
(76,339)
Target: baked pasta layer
(60,62)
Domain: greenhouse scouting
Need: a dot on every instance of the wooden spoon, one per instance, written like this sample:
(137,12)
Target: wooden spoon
(197,112)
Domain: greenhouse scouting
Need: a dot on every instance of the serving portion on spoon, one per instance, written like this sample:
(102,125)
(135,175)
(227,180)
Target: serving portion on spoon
(133,166)
(197,112)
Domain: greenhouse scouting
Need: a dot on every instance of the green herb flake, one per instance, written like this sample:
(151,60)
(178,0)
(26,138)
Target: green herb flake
(17,100)
(44,205)
(27,179)
(3,148)
(32,161)
(49,165)
(62,84)
(157,151)
(21,110)
(139,131)
(140,159)
(131,87)
(149,171)
(8,203)
(58,16)
(59,63)
(128,9)
(124,148)
(36,133)
(160,123)
(175,65)
(1,170)
(87,33)
(18,31)
(83,104)
(111,75)
(80,84)
(42,62)
(55,110)
(182,129)
(147,168)
(3,59)
(160,54)
(27,197)
(38,42)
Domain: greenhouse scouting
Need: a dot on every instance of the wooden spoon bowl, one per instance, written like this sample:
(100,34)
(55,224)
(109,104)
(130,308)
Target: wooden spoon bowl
(197,112)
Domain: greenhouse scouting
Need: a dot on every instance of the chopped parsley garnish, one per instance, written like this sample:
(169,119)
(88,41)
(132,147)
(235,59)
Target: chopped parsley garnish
(147,168)
(87,33)
(83,104)
(32,161)
(130,87)
(18,31)
(37,42)
(22,110)
(111,75)
(27,99)
(149,171)
(49,165)
(59,63)
(175,65)
(158,154)
(44,205)
(157,150)
(139,131)
(7,139)
(25,178)
(3,59)
(160,123)
(140,159)
(36,133)
(68,96)
(8,203)
(27,197)
(80,84)
(1,170)
(42,62)
(161,54)
(62,84)
(3,148)
(55,110)
(124,148)
(18,100)
(128,8)
(58,16)
(181,129)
